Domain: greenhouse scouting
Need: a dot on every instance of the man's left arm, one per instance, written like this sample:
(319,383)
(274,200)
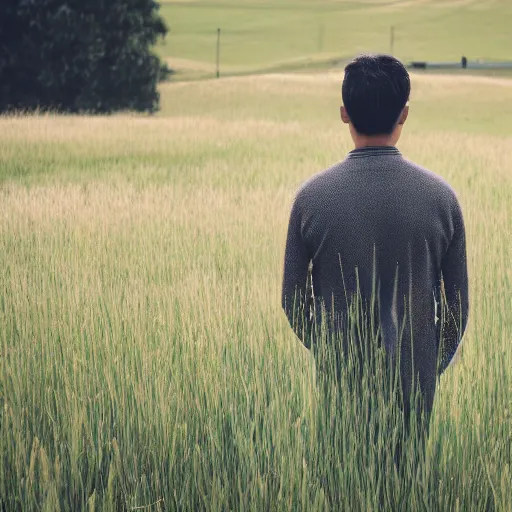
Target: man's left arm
(296,294)
(456,297)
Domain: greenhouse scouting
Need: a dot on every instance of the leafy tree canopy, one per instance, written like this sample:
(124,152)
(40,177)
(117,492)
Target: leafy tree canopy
(80,55)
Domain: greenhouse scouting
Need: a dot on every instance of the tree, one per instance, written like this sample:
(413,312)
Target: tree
(80,55)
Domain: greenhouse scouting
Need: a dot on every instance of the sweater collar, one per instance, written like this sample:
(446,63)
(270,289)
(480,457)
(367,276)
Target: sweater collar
(374,151)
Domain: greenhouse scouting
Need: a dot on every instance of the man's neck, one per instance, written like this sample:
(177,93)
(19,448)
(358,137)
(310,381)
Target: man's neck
(362,141)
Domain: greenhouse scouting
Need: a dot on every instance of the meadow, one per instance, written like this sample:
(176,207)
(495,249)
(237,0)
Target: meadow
(145,361)
(283,35)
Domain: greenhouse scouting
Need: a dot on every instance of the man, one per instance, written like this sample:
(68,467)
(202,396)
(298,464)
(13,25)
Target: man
(378,234)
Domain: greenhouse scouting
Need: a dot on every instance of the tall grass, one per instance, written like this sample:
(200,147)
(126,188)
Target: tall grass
(145,360)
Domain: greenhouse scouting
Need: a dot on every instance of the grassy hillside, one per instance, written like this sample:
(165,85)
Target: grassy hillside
(285,34)
(144,357)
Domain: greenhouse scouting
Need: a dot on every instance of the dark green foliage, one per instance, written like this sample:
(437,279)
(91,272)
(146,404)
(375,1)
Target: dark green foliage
(79,56)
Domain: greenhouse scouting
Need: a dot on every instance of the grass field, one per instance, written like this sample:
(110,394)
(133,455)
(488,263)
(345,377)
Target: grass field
(145,362)
(296,34)
(145,358)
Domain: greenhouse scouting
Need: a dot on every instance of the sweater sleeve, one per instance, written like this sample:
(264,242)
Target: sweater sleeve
(296,292)
(455,277)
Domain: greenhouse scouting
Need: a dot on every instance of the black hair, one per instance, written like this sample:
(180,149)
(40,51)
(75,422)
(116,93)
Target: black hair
(375,90)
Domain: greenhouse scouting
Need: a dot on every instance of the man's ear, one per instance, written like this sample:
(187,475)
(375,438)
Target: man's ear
(404,115)
(344,115)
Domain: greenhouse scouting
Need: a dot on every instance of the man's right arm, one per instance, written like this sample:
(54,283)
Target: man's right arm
(455,277)
(296,290)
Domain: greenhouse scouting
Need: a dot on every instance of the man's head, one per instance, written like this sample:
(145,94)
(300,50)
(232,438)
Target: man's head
(375,93)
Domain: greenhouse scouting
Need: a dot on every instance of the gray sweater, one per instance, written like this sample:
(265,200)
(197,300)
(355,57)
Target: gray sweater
(376,221)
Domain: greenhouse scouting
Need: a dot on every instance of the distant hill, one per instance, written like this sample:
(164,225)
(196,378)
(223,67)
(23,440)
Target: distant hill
(259,35)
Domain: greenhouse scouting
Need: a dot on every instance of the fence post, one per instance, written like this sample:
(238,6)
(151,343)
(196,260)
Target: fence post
(218,52)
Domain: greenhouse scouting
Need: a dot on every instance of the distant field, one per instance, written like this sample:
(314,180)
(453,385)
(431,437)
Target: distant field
(286,34)
(144,357)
